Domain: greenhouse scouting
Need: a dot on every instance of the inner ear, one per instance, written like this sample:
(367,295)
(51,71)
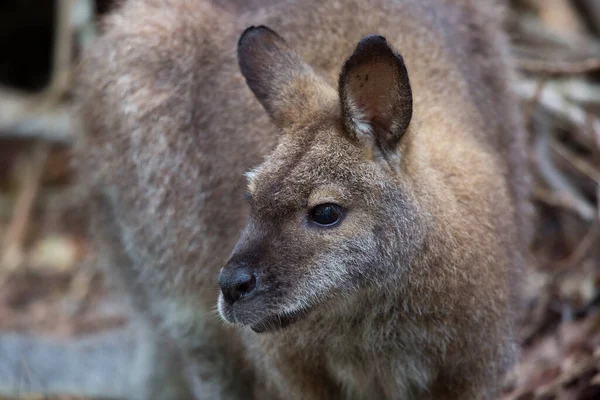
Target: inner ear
(375,94)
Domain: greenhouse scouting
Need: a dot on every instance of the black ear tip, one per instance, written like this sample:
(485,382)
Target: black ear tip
(373,39)
(373,44)
(253,32)
(368,48)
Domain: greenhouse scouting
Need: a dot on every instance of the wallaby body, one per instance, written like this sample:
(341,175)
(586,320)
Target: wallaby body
(411,293)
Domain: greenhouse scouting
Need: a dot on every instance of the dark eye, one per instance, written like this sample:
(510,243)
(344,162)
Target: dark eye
(326,214)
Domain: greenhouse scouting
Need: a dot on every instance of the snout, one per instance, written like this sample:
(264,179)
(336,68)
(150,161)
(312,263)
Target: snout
(252,295)
(237,281)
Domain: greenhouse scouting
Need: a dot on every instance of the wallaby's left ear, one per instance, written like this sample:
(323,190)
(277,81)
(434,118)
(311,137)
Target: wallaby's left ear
(375,94)
(288,88)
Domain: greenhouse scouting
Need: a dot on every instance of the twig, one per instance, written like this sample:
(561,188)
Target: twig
(580,90)
(28,117)
(582,249)
(63,49)
(554,177)
(555,199)
(552,99)
(580,164)
(52,200)
(12,251)
(560,68)
(582,366)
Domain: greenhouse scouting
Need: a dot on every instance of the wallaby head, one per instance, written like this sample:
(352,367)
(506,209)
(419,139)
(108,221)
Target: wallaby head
(330,211)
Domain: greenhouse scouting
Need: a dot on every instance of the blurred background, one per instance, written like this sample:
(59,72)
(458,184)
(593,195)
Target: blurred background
(46,289)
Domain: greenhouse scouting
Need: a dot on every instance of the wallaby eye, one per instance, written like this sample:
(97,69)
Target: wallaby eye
(327,214)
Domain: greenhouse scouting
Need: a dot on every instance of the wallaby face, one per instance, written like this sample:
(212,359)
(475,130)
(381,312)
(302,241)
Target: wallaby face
(329,212)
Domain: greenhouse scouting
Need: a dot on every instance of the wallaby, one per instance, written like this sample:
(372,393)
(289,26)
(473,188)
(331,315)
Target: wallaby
(367,158)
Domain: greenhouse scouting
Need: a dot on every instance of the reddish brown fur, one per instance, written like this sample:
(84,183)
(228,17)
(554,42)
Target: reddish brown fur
(422,308)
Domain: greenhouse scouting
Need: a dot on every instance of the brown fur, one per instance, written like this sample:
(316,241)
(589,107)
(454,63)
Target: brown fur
(411,296)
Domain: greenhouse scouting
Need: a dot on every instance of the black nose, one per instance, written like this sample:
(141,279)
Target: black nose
(236,281)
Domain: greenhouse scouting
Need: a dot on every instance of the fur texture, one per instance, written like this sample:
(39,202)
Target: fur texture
(413,294)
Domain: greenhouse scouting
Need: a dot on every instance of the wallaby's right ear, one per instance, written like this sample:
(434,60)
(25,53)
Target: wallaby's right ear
(286,86)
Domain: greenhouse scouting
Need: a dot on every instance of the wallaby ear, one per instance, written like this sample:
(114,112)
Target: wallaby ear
(286,86)
(375,94)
